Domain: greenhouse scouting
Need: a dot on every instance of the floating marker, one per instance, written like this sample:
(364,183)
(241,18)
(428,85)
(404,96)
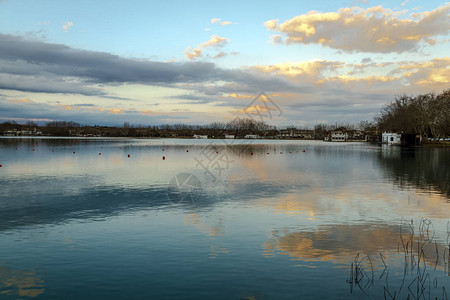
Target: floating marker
(187,150)
(164,157)
(128,155)
(0,166)
(99,154)
(163,149)
(73,152)
(217,152)
(281,152)
(304,150)
(33,149)
(251,153)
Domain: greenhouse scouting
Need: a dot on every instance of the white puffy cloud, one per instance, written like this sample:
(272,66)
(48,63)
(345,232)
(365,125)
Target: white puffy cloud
(374,29)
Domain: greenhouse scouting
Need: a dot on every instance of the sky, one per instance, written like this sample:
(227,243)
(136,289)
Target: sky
(197,62)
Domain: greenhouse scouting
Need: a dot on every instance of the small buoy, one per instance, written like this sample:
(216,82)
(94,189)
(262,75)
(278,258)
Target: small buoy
(73,152)
(251,153)
(99,154)
(217,152)
(128,155)
(0,166)
(164,157)
(187,150)
(33,149)
(163,149)
(304,150)
(267,152)
(281,152)
(290,152)
(16,148)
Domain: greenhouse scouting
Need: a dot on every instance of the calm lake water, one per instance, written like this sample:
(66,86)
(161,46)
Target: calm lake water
(221,219)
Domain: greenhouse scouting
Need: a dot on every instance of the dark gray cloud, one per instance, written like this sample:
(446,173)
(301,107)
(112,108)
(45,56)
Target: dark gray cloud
(35,66)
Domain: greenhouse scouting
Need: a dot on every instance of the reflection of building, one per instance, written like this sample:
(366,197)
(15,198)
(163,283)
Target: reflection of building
(391,138)
(339,136)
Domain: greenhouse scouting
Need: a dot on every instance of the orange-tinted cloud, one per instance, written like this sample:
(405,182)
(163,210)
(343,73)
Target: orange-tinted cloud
(214,41)
(22,100)
(373,29)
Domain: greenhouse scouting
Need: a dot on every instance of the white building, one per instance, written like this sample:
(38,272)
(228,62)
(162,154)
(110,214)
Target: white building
(391,138)
(197,136)
(339,136)
(251,136)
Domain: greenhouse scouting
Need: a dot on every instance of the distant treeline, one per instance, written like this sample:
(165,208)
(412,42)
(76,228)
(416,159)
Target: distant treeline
(237,127)
(427,114)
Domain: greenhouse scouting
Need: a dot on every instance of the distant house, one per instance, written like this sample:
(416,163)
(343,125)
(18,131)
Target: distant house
(339,136)
(198,136)
(229,136)
(251,136)
(296,133)
(391,138)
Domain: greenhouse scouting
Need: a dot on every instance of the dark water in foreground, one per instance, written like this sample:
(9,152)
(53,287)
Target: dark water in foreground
(293,220)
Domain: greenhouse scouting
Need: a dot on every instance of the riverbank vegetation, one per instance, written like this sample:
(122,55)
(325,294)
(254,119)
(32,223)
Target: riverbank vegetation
(427,115)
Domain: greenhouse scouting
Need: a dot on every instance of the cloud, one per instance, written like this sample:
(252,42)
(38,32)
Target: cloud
(85,114)
(306,69)
(434,73)
(66,26)
(217,21)
(26,100)
(192,54)
(374,29)
(36,66)
(237,96)
(220,54)
(214,41)
(271,24)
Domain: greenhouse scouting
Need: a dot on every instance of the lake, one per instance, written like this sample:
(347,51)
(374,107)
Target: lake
(222,219)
